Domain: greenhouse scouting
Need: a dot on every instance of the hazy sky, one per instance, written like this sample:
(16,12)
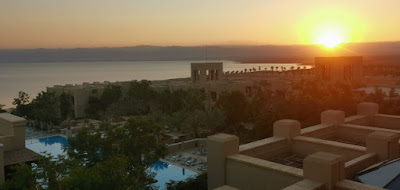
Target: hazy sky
(111,23)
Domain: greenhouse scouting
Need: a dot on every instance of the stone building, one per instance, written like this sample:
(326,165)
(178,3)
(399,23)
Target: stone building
(204,72)
(12,143)
(81,92)
(341,153)
(210,78)
(344,69)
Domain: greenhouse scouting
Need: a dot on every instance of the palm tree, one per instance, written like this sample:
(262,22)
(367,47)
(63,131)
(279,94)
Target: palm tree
(292,69)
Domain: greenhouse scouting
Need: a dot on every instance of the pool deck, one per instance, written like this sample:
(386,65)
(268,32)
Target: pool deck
(187,153)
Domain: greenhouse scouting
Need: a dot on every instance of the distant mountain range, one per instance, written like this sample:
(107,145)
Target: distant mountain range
(376,52)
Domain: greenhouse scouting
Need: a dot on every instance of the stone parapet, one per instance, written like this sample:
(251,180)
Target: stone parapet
(332,117)
(384,144)
(367,108)
(219,147)
(332,166)
(287,128)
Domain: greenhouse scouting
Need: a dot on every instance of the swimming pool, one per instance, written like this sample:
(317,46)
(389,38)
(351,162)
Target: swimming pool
(164,171)
(53,145)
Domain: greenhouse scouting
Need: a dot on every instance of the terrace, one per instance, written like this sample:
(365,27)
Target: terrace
(325,156)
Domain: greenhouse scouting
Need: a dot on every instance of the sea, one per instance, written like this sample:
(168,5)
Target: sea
(33,78)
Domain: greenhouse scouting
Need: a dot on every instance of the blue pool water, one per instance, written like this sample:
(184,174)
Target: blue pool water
(53,145)
(164,171)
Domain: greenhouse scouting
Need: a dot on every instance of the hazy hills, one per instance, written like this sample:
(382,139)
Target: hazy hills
(378,51)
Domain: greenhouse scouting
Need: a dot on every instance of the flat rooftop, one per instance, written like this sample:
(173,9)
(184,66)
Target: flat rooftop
(332,154)
(20,156)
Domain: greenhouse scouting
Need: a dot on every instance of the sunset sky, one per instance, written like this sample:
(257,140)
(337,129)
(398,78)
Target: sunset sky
(112,23)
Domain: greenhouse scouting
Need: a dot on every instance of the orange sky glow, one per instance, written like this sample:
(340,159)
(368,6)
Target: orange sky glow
(28,24)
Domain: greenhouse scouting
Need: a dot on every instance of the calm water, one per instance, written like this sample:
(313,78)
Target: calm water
(53,145)
(35,77)
(386,90)
(164,172)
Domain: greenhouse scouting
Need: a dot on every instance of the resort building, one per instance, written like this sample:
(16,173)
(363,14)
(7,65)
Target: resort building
(208,77)
(202,72)
(340,153)
(339,68)
(12,144)
(81,92)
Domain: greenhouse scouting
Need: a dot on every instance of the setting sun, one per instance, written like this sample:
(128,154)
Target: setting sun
(331,27)
(330,39)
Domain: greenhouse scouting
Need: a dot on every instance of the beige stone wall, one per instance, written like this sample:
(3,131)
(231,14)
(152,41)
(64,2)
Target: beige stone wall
(12,129)
(7,140)
(219,146)
(352,134)
(81,97)
(306,146)
(2,173)
(386,121)
(358,120)
(247,173)
(327,162)
(19,137)
(6,128)
(266,148)
(319,131)
(360,163)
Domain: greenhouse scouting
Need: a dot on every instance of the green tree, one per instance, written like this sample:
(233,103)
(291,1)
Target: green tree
(112,157)
(108,174)
(97,106)
(2,110)
(111,94)
(66,106)
(234,106)
(22,107)
(46,107)
(137,142)
(377,96)
(182,99)
(393,93)
(94,109)
(140,97)
(23,178)
(194,183)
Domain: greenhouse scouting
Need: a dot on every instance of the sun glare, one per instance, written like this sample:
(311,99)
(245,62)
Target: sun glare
(330,39)
(330,28)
